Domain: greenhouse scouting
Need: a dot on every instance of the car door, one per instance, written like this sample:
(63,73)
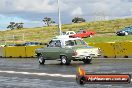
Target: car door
(131,31)
(85,34)
(82,34)
(53,49)
(79,35)
(128,31)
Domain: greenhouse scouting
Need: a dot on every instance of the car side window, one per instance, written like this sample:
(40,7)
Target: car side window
(70,43)
(71,33)
(127,30)
(51,44)
(84,31)
(56,43)
(67,33)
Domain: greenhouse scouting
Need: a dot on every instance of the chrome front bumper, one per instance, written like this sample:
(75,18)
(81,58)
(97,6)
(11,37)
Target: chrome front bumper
(86,56)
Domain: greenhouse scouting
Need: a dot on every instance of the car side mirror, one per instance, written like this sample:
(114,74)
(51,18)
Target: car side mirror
(45,43)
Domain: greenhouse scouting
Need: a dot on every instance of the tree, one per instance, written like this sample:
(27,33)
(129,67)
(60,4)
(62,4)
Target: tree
(19,25)
(78,20)
(11,25)
(14,25)
(48,21)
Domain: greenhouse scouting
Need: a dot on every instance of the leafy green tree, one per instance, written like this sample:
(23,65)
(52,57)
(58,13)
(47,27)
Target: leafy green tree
(48,21)
(11,25)
(19,25)
(78,20)
(14,25)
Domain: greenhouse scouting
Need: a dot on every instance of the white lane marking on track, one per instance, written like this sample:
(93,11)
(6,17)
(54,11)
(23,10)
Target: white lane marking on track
(39,74)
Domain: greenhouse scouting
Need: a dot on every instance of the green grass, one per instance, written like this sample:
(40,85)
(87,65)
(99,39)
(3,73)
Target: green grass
(108,39)
(44,34)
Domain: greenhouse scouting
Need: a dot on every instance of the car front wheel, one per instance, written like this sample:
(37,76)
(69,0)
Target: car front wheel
(65,61)
(41,59)
(90,35)
(87,60)
(126,33)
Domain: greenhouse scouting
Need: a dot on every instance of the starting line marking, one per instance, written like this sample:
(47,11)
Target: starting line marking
(38,74)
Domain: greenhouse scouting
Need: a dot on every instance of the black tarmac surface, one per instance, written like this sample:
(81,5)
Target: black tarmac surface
(27,73)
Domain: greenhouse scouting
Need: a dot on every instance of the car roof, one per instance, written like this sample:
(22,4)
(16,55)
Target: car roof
(70,31)
(65,38)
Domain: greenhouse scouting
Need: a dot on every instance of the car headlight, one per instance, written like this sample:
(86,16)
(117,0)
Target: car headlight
(74,53)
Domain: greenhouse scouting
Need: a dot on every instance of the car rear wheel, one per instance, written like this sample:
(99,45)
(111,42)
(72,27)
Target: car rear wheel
(41,59)
(87,60)
(65,61)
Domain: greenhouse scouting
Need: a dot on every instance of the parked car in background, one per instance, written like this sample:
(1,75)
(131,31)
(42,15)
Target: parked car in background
(67,49)
(31,43)
(14,45)
(66,34)
(69,33)
(26,44)
(125,31)
(83,34)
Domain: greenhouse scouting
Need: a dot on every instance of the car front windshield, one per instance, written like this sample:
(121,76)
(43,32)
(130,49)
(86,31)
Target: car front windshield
(74,42)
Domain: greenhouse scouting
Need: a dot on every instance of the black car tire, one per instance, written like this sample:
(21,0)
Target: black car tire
(41,59)
(65,60)
(87,61)
(82,81)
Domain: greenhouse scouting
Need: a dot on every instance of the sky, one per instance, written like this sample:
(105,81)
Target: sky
(32,12)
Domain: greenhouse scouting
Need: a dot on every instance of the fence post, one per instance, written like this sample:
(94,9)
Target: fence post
(13,39)
(5,39)
(23,36)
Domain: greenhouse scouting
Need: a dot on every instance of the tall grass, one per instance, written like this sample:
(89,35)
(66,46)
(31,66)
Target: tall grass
(44,34)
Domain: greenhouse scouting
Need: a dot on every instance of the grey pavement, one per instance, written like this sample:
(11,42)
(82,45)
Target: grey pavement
(27,73)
